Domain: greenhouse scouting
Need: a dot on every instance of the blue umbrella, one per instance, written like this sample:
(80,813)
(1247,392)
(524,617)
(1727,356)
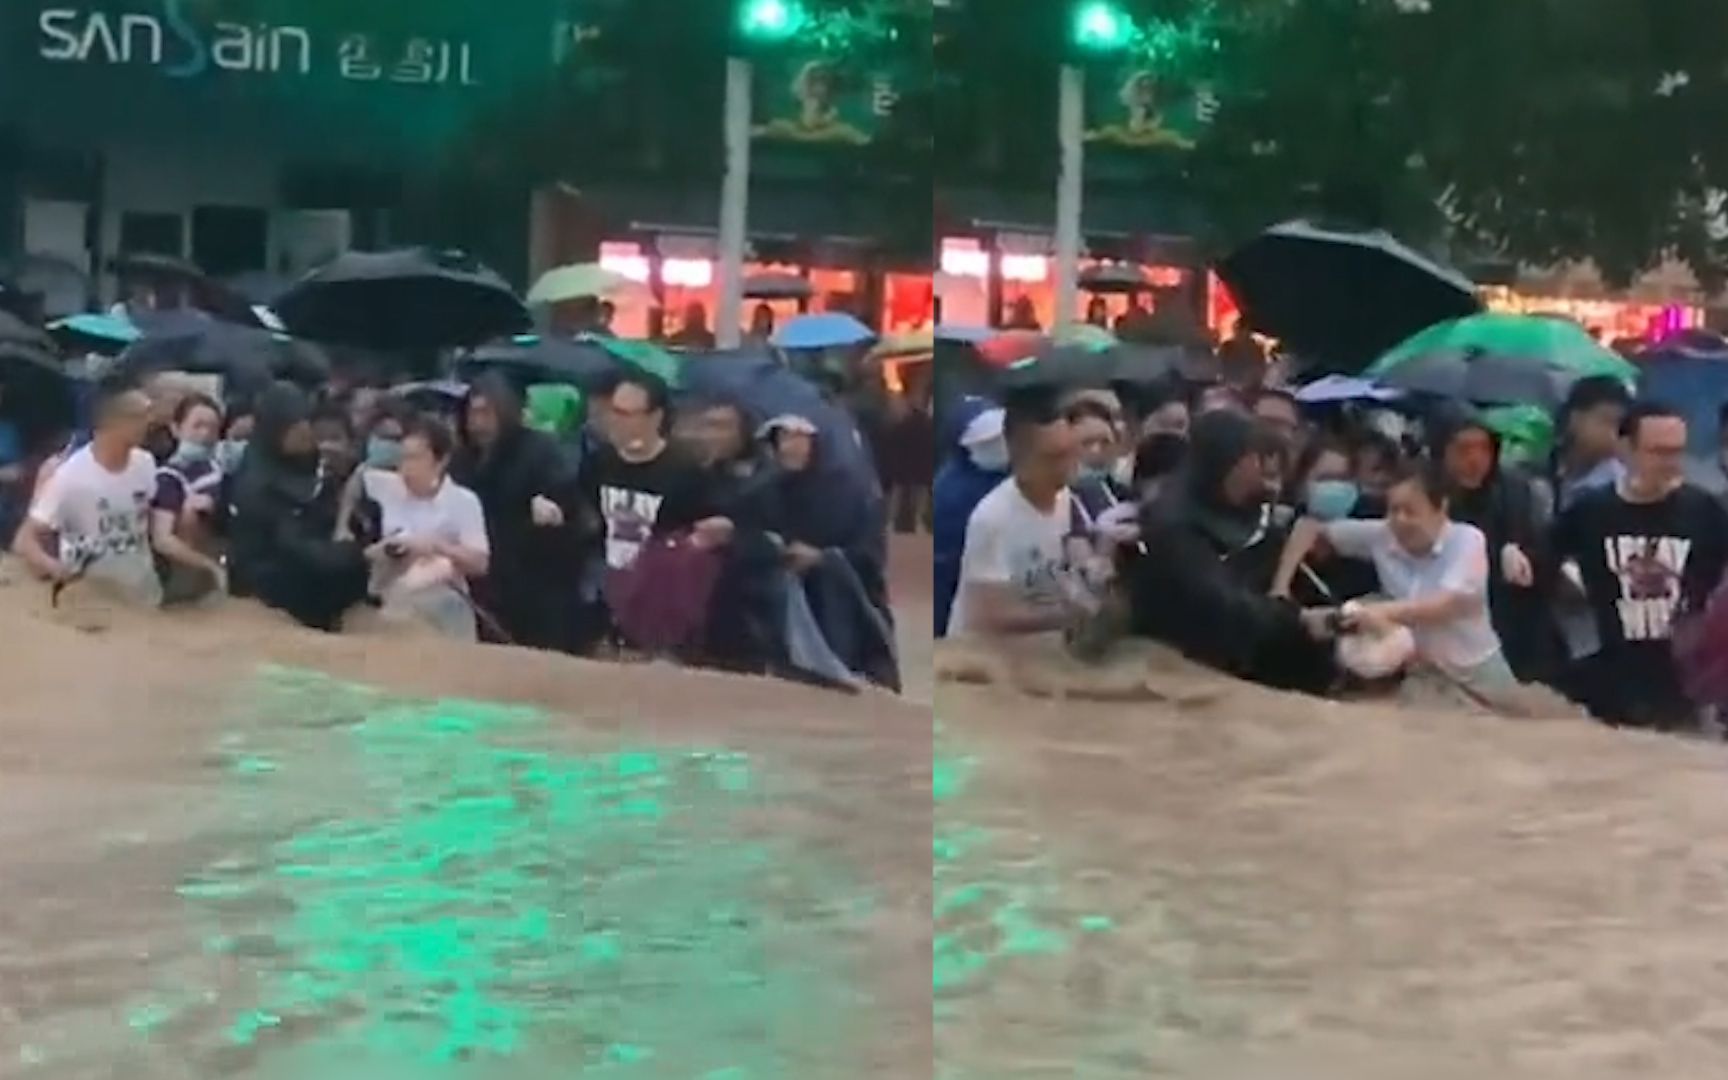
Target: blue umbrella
(827,330)
(764,388)
(1333,389)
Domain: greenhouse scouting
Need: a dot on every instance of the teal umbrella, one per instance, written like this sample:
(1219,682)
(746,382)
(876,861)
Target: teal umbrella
(1538,339)
(1499,359)
(644,356)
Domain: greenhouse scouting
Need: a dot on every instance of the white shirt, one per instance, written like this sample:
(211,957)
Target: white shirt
(102,519)
(452,515)
(1457,564)
(1011,542)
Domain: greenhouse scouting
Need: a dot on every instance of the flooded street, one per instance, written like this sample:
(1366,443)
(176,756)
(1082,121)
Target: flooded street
(241,851)
(1232,884)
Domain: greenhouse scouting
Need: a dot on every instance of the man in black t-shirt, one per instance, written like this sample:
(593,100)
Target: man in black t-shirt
(1649,550)
(639,484)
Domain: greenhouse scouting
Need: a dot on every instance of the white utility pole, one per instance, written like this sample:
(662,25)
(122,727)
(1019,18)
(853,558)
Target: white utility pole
(1070,192)
(734,205)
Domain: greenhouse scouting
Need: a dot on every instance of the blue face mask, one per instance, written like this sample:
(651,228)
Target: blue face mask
(229,453)
(383,453)
(1332,500)
(192,453)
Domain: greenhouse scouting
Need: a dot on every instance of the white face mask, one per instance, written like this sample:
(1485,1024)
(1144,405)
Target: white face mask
(990,456)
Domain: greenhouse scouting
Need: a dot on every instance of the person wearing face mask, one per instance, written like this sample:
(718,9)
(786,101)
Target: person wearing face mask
(1211,553)
(281,547)
(359,517)
(1327,492)
(975,464)
(186,504)
(1096,487)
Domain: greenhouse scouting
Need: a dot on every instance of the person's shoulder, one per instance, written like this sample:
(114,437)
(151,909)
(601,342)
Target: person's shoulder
(1466,537)
(460,495)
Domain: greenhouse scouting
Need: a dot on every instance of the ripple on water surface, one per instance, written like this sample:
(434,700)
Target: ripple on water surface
(452,896)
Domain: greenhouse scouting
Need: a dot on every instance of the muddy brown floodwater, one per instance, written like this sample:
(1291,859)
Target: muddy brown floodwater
(231,849)
(1219,883)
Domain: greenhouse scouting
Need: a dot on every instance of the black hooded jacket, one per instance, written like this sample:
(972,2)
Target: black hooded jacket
(281,548)
(1202,584)
(1505,508)
(535,570)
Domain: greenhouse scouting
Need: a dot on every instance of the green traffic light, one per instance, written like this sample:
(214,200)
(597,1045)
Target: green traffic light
(770,20)
(1100,26)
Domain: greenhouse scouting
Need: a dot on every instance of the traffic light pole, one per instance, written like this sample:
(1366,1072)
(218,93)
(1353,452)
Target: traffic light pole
(1070,191)
(734,205)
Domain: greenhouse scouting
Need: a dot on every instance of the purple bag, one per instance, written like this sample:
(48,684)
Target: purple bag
(660,602)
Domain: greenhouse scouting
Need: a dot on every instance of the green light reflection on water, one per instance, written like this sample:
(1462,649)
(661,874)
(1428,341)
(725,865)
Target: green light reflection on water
(488,899)
(980,920)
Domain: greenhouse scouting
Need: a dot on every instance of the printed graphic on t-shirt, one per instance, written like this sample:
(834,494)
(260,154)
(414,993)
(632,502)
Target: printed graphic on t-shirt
(121,529)
(1038,577)
(1651,570)
(630,519)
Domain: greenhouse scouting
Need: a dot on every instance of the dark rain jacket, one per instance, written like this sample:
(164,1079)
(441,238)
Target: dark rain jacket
(1202,585)
(281,549)
(1505,508)
(533,589)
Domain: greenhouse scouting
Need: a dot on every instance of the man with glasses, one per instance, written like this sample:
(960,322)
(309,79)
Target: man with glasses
(1649,550)
(641,485)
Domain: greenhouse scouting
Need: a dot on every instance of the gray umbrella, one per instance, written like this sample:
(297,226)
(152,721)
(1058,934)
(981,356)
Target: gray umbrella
(1484,378)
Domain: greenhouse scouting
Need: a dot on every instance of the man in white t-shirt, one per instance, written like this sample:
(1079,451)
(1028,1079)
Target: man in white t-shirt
(91,520)
(434,535)
(1014,572)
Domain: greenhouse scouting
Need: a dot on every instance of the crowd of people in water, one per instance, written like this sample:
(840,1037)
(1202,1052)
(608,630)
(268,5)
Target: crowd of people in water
(627,524)
(1342,550)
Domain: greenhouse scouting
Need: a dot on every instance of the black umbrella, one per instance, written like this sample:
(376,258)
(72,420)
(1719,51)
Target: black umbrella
(15,331)
(411,299)
(535,359)
(39,393)
(62,286)
(777,286)
(1483,378)
(1342,298)
(248,359)
(1114,278)
(154,266)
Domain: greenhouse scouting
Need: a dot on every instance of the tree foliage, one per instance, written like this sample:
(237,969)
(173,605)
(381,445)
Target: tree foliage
(1534,130)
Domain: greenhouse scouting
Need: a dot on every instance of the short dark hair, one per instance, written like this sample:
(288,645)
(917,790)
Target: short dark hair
(1428,478)
(109,397)
(1317,449)
(658,393)
(1632,425)
(192,403)
(435,433)
(1595,391)
(1026,413)
(329,414)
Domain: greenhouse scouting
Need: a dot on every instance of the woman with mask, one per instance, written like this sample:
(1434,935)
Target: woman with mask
(186,505)
(1097,488)
(359,517)
(282,549)
(1327,491)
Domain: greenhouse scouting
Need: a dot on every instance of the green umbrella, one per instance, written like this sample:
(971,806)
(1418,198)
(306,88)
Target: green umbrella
(644,356)
(1526,433)
(1539,340)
